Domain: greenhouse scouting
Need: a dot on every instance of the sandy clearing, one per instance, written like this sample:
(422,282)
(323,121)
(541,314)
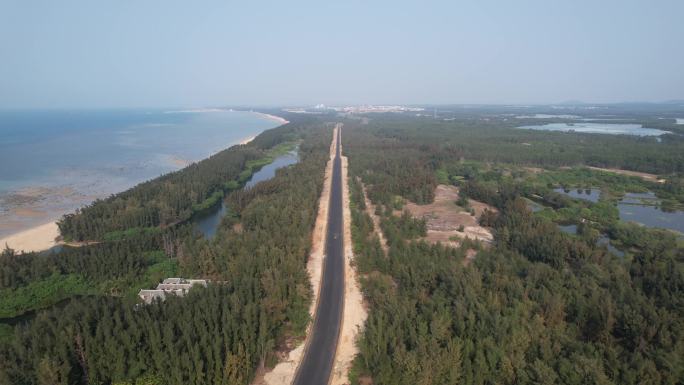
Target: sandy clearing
(444,217)
(283,373)
(643,175)
(34,239)
(534,170)
(469,257)
(355,314)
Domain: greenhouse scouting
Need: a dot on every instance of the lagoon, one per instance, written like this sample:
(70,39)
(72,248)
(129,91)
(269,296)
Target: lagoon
(209,223)
(598,128)
(591,195)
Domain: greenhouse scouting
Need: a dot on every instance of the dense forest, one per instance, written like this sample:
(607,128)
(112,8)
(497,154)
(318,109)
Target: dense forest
(96,333)
(537,305)
(495,139)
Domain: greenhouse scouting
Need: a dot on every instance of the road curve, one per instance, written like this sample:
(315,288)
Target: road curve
(317,364)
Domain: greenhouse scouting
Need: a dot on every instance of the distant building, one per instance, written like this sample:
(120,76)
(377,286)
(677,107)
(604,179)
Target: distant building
(170,286)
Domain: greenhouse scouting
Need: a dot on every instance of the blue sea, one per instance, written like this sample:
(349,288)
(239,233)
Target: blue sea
(52,162)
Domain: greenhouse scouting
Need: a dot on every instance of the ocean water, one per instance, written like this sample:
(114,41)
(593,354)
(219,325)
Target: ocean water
(599,128)
(52,162)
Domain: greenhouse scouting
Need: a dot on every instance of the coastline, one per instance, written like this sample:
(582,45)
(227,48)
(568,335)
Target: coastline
(247,139)
(272,117)
(38,238)
(43,236)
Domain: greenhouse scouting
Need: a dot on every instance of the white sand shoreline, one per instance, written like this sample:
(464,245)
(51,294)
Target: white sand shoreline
(247,139)
(38,238)
(272,117)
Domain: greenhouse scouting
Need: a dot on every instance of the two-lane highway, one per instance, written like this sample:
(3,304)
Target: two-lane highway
(317,364)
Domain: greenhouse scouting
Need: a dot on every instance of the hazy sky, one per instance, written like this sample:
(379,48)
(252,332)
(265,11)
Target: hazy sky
(121,53)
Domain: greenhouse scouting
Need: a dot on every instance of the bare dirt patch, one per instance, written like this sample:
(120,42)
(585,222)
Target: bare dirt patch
(447,222)
(642,175)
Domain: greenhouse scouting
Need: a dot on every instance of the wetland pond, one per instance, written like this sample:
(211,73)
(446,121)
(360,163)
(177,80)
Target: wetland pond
(591,195)
(209,223)
(599,128)
(643,208)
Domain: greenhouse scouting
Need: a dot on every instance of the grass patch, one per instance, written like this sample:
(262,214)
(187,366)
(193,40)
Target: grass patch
(41,294)
(6,333)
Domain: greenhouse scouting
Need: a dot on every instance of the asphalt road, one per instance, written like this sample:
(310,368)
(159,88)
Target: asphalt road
(317,364)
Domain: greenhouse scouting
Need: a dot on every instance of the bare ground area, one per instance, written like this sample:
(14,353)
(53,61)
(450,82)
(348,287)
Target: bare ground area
(354,311)
(642,175)
(283,373)
(444,218)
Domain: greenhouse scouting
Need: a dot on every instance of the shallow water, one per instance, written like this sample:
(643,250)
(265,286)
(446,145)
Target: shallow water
(209,223)
(534,206)
(652,216)
(605,241)
(568,229)
(591,195)
(599,128)
(52,162)
(548,116)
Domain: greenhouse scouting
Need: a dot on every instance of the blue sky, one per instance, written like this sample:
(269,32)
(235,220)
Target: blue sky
(145,53)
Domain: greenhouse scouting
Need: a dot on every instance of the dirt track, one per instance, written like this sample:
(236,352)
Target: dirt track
(370,210)
(642,175)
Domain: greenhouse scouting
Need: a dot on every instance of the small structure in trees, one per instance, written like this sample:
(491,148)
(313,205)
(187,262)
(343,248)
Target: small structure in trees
(170,286)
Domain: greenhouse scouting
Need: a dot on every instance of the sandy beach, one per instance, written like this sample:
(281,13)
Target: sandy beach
(248,139)
(273,118)
(35,239)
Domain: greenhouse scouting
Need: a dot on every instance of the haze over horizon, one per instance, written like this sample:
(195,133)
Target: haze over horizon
(171,53)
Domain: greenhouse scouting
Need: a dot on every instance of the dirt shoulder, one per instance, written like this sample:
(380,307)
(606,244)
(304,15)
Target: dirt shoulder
(355,313)
(283,373)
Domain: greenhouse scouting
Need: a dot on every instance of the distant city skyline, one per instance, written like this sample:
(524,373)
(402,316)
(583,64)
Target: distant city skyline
(84,54)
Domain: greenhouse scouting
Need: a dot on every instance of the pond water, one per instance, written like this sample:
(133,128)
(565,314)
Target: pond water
(568,229)
(534,206)
(599,128)
(605,241)
(209,223)
(548,116)
(642,208)
(651,216)
(602,241)
(591,195)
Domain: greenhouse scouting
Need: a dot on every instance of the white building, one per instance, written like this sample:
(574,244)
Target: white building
(170,286)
